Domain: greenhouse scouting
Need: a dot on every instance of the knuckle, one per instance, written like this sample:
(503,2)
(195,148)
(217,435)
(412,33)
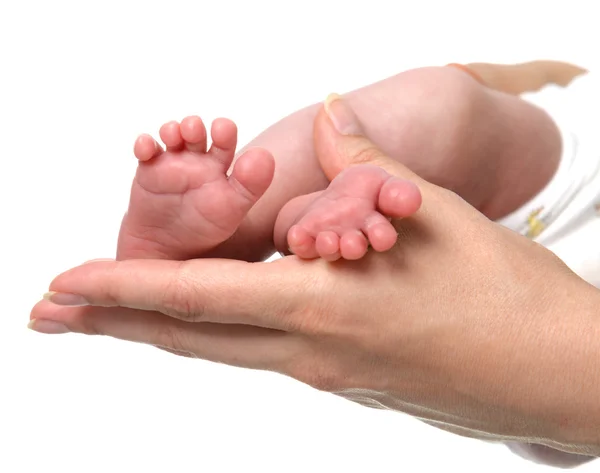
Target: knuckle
(323,379)
(318,317)
(173,351)
(109,292)
(179,298)
(309,322)
(318,324)
(448,196)
(88,326)
(318,375)
(368,154)
(172,339)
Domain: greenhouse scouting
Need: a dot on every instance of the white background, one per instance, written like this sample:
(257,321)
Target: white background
(78,82)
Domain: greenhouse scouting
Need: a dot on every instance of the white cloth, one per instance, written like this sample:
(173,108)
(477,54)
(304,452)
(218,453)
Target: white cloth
(566,213)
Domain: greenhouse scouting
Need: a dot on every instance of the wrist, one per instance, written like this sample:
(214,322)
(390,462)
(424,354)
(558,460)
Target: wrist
(531,361)
(566,396)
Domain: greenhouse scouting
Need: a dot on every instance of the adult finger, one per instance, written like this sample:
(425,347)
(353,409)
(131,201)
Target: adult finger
(233,344)
(207,290)
(340,142)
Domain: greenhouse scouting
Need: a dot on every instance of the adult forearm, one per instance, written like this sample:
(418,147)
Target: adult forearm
(573,400)
(554,377)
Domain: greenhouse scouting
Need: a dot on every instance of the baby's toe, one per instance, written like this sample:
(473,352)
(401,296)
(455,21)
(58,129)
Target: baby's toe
(353,245)
(223,133)
(381,233)
(146,148)
(193,133)
(399,198)
(170,134)
(301,243)
(252,174)
(328,245)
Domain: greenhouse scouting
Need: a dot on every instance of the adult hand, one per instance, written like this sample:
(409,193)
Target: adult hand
(464,324)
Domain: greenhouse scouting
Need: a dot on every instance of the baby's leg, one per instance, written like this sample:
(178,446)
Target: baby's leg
(353,212)
(439,122)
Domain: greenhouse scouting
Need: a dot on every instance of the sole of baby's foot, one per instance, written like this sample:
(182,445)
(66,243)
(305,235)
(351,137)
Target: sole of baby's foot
(353,213)
(183,202)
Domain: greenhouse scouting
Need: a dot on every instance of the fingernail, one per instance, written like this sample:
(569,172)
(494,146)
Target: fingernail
(97,260)
(342,116)
(66,299)
(49,327)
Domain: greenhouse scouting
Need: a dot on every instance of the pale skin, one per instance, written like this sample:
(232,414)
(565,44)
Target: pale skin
(162,225)
(386,330)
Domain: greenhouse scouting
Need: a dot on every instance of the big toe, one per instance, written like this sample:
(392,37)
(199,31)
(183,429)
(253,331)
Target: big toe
(252,173)
(399,198)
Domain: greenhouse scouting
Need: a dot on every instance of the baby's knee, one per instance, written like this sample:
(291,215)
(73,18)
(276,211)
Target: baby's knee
(448,91)
(448,106)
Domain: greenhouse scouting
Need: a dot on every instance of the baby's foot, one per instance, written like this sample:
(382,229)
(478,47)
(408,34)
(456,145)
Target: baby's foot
(353,212)
(182,202)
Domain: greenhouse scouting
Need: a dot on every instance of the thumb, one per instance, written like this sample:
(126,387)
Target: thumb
(340,142)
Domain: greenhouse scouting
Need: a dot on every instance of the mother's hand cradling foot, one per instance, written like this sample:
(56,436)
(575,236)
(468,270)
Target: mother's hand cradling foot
(456,324)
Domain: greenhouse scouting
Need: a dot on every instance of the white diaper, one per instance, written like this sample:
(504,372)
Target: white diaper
(565,215)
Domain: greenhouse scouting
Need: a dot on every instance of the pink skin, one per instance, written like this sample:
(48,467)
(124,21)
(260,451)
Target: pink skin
(182,201)
(439,113)
(353,212)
